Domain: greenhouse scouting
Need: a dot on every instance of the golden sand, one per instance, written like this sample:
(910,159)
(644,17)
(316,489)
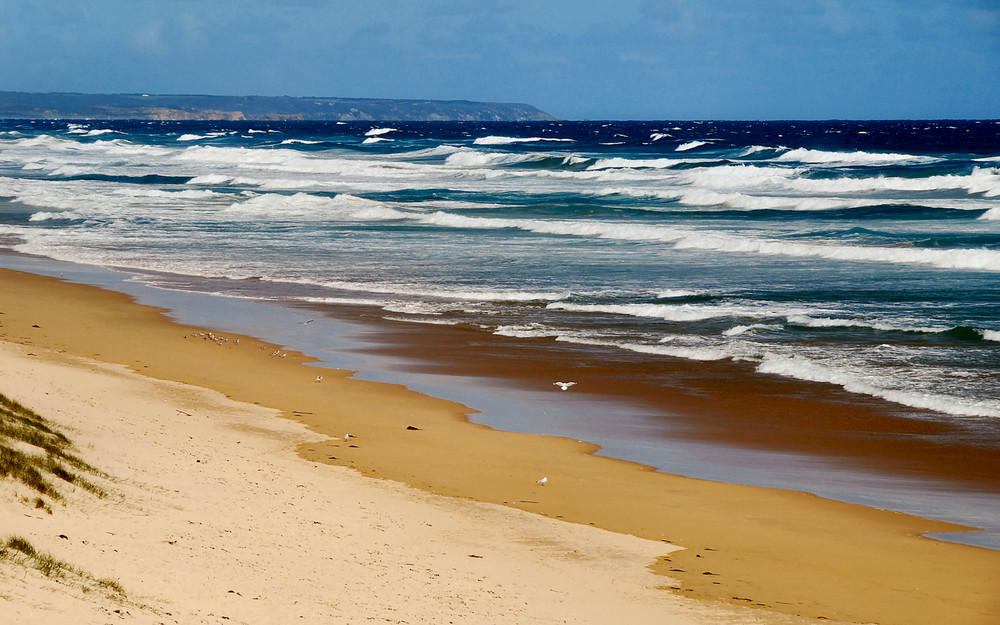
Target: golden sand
(781,550)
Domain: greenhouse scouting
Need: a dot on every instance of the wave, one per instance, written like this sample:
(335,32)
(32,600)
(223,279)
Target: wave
(499,140)
(307,206)
(823,157)
(191,137)
(743,201)
(828,322)
(662,349)
(619,162)
(991,215)
(963,258)
(671,312)
(984,180)
(690,145)
(526,331)
(802,368)
(752,328)
(437,293)
(371,140)
(376,132)
(476,158)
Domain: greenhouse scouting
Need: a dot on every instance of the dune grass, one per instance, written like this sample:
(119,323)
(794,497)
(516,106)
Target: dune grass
(52,463)
(21,551)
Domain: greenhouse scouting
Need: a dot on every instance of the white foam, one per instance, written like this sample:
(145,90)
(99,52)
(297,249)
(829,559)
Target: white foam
(752,328)
(438,293)
(827,322)
(213,179)
(656,136)
(190,137)
(706,197)
(499,140)
(756,149)
(475,158)
(991,335)
(375,132)
(971,259)
(675,293)
(991,215)
(526,331)
(802,368)
(306,206)
(618,162)
(371,140)
(803,155)
(690,145)
(668,312)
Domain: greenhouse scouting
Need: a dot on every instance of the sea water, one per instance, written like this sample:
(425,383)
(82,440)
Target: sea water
(862,255)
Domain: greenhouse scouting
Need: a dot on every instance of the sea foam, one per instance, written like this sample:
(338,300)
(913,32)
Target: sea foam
(803,368)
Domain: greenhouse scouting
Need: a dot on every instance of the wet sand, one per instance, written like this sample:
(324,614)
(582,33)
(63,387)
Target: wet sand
(723,402)
(780,550)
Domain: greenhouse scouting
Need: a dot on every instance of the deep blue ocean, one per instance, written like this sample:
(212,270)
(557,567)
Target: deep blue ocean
(864,256)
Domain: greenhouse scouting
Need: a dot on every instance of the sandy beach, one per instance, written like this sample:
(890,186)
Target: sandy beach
(235,496)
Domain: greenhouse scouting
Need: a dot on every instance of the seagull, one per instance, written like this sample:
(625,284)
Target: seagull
(563,385)
(348,436)
(542,481)
(319,378)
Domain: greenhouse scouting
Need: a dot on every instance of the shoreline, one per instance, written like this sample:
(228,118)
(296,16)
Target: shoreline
(794,553)
(294,539)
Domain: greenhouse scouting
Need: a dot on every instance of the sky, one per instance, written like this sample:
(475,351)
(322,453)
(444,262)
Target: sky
(575,59)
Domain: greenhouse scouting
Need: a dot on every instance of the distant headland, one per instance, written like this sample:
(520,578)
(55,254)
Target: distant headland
(21,105)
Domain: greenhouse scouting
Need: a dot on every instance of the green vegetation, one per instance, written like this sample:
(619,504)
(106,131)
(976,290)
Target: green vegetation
(20,105)
(20,427)
(21,551)
(53,460)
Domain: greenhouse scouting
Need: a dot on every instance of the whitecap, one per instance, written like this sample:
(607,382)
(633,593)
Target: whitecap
(190,137)
(499,140)
(802,368)
(375,132)
(690,145)
(823,157)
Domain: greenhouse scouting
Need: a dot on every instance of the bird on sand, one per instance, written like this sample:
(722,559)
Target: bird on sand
(563,385)
(542,481)
(319,378)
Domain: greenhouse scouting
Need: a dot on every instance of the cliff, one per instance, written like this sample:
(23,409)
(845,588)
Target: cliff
(20,105)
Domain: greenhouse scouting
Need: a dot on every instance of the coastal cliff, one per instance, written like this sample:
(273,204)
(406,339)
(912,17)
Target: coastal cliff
(21,105)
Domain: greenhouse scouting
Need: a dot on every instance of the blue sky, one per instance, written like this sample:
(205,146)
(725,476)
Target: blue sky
(577,59)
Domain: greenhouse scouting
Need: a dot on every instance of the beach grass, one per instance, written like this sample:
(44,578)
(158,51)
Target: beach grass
(21,551)
(51,463)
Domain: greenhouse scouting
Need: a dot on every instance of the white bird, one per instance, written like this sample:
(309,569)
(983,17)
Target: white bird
(319,378)
(563,385)
(542,481)
(348,436)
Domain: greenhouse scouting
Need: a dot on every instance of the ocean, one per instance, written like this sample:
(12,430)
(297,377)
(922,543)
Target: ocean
(850,258)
